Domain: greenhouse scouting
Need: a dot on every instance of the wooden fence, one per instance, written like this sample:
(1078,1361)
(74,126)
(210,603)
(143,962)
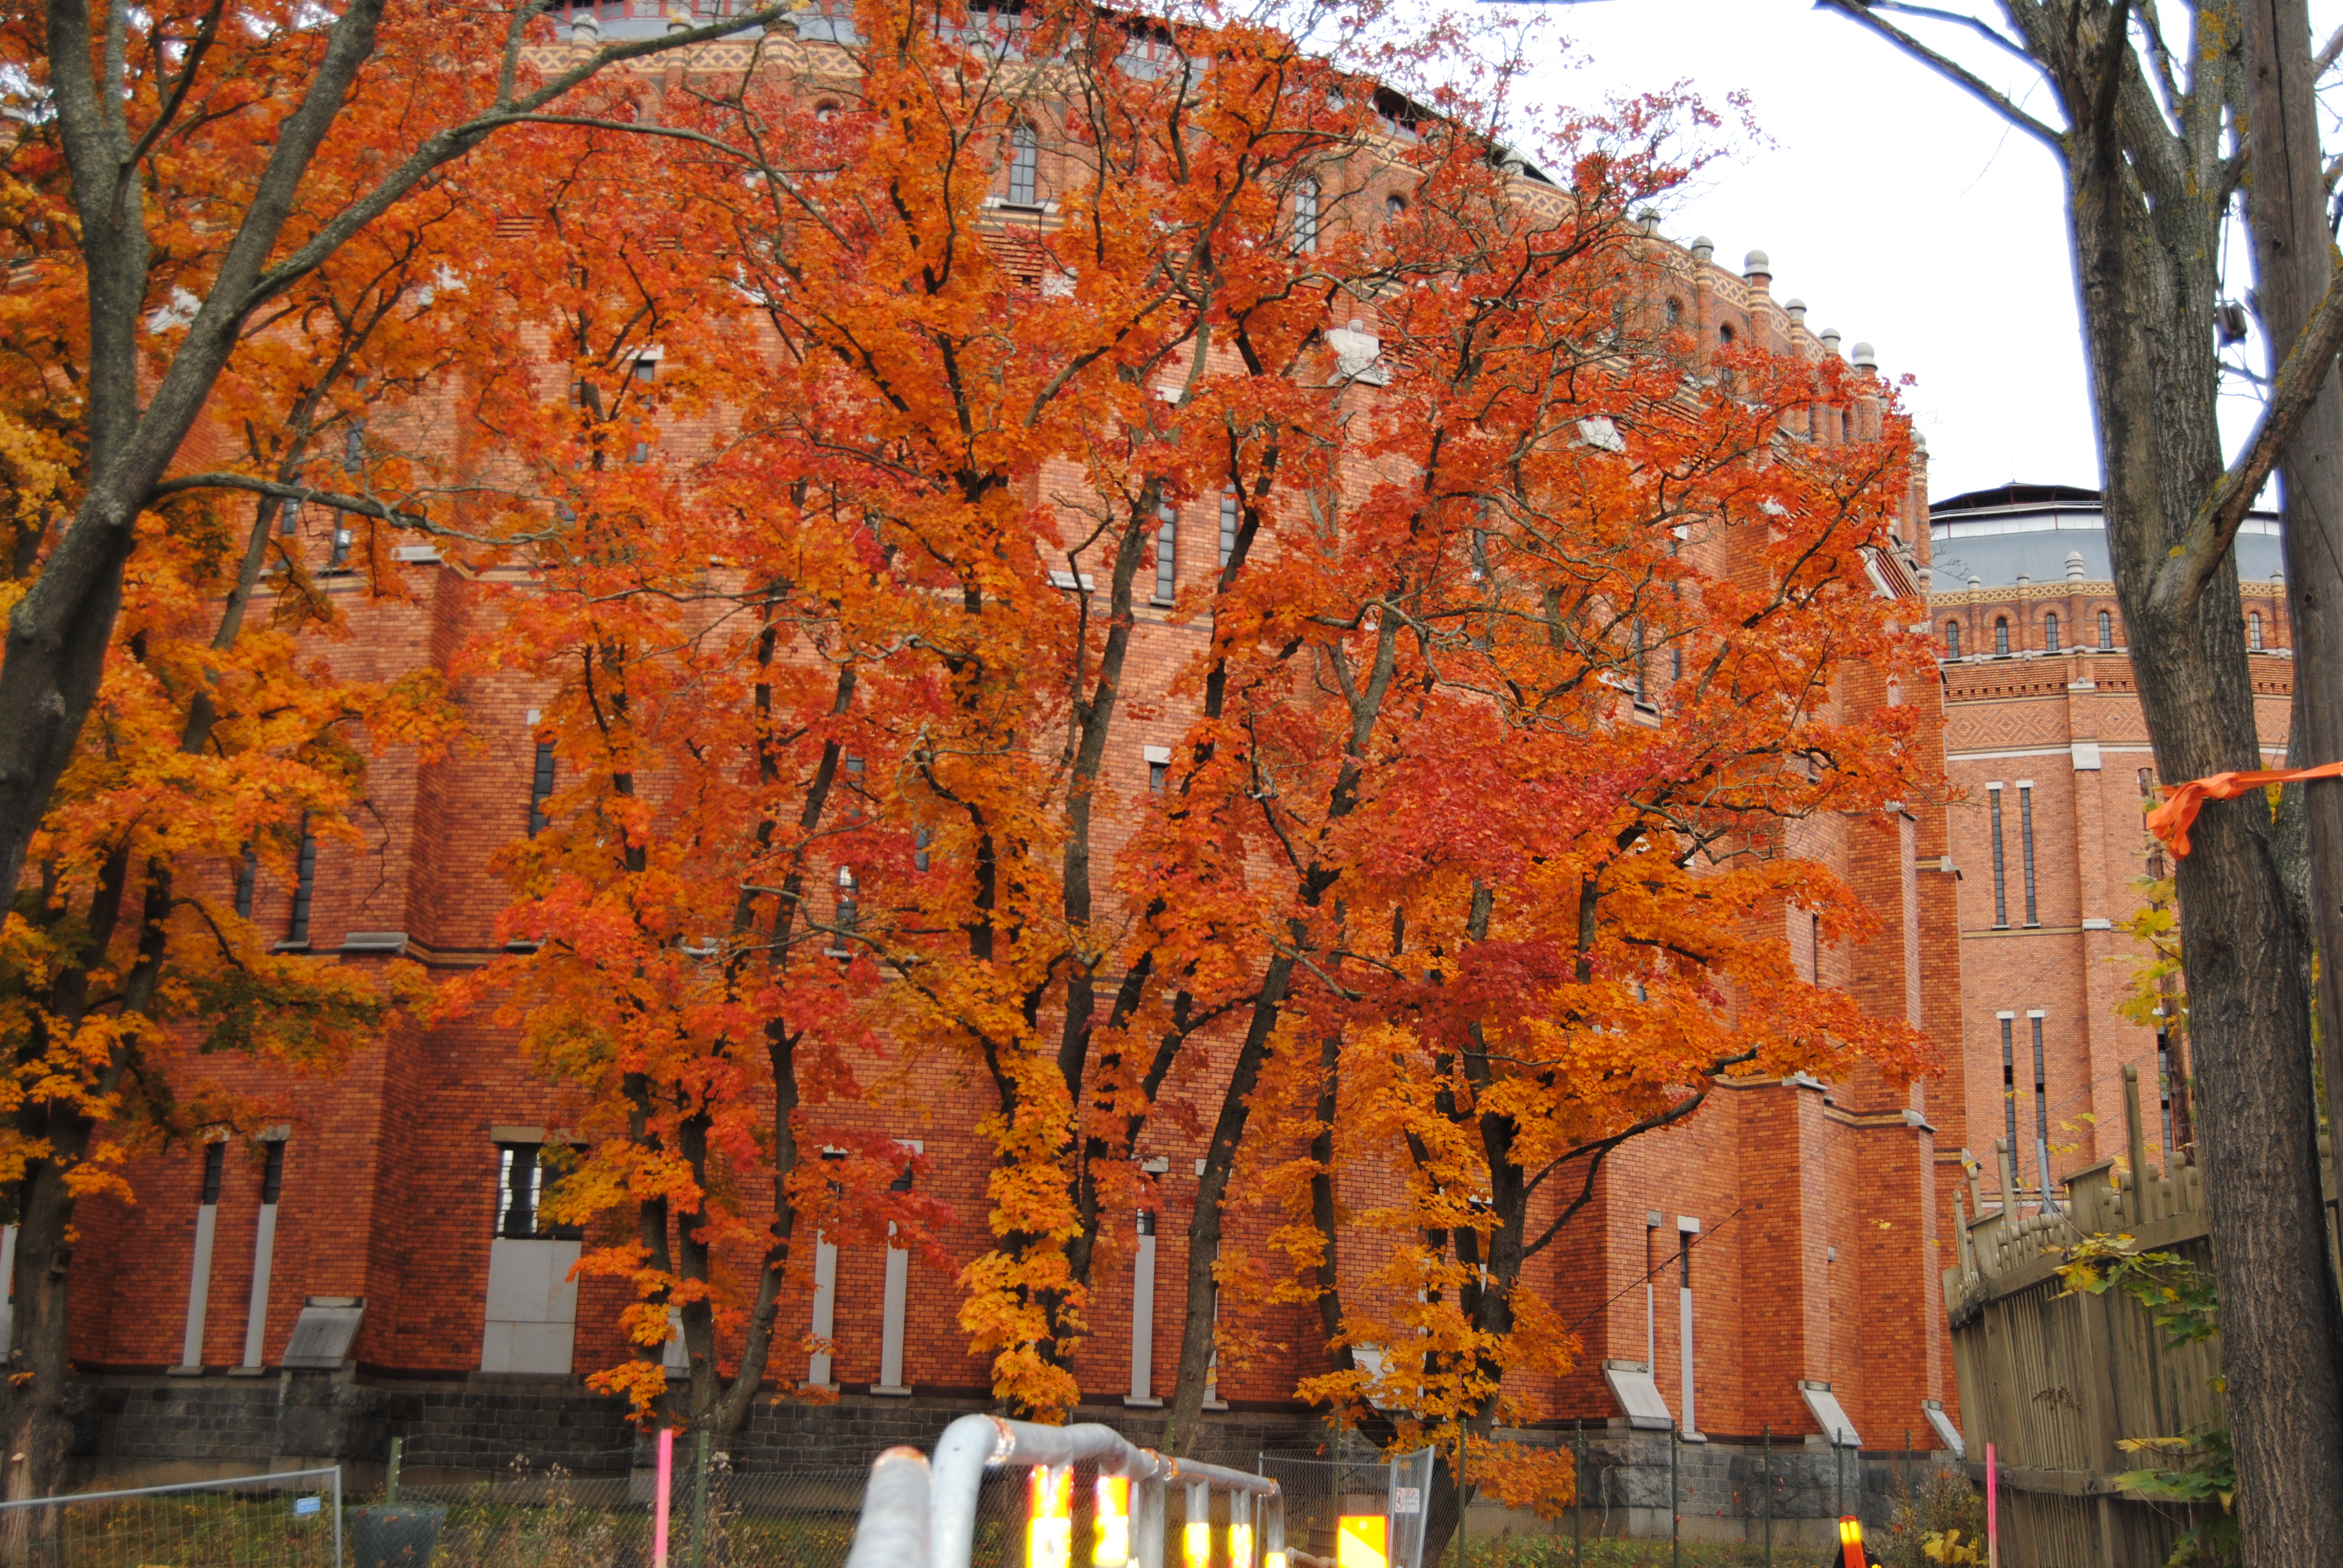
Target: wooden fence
(2053,1381)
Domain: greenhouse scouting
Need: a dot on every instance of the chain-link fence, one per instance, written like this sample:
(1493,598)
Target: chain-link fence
(292,1519)
(1319,1492)
(801,1517)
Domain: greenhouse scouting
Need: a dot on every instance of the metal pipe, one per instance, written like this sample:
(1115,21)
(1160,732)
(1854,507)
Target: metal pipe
(975,1443)
(893,1530)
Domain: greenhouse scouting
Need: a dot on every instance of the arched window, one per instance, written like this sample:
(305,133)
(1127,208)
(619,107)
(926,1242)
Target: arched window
(1394,207)
(2000,635)
(1724,336)
(1846,430)
(1952,639)
(2049,634)
(2106,632)
(1675,311)
(2254,629)
(1305,216)
(1024,163)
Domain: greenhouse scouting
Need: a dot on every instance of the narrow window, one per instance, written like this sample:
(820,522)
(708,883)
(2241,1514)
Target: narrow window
(1674,311)
(646,369)
(306,879)
(2049,634)
(2001,636)
(2106,632)
(1394,207)
(272,1170)
(1724,336)
(288,520)
(540,789)
(849,913)
(1228,516)
(2000,892)
(247,878)
(855,793)
(1643,661)
(214,1167)
(519,1177)
(2253,630)
(1305,216)
(2041,1105)
(1024,163)
(1167,552)
(921,837)
(2009,1087)
(1815,942)
(343,538)
(1675,661)
(2026,838)
(640,450)
(1952,639)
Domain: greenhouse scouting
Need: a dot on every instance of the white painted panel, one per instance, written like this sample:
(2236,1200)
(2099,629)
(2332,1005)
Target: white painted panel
(825,1308)
(532,1308)
(891,1315)
(264,1258)
(199,1286)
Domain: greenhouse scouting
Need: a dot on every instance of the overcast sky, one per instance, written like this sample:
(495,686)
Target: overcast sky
(1900,210)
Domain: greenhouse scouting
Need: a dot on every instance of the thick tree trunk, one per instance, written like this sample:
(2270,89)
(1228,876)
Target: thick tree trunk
(37,1427)
(2148,287)
(1198,1326)
(2294,266)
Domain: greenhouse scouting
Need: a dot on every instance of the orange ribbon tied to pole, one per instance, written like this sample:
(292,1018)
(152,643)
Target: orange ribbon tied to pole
(2170,821)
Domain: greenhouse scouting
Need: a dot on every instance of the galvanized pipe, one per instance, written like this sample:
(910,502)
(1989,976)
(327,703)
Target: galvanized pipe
(975,1443)
(893,1530)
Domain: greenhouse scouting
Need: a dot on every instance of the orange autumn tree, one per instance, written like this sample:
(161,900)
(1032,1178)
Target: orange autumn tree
(711,636)
(1517,719)
(1012,404)
(194,196)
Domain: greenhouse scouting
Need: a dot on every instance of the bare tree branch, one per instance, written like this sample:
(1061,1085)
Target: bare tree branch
(2182,576)
(1863,13)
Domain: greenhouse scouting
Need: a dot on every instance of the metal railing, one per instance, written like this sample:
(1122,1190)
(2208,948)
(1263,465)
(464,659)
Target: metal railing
(919,1513)
(291,1517)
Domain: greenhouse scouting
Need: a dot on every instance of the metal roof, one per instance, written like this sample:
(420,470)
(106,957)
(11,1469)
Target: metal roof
(2028,531)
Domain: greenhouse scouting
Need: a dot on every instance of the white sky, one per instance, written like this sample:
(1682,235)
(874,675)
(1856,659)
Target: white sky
(1903,212)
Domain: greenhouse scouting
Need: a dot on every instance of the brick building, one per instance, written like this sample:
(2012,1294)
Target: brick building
(375,1264)
(2051,772)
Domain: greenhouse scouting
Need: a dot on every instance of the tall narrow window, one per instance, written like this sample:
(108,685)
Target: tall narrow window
(1228,517)
(2001,636)
(338,554)
(540,789)
(289,519)
(2106,632)
(1952,639)
(247,878)
(2041,1102)
(1814,945)
(849,913)
(214,1168)
(1024,163)
(2254,629)
(297,932)
(2010,1084)
(2025,844)
(1158,775)
(2049,634)
(2000,884)
(1167,551)
(921,837)
(1305,215)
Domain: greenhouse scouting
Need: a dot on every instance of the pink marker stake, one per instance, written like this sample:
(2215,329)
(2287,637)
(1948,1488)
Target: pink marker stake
(659,1503)
(1992,1511)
